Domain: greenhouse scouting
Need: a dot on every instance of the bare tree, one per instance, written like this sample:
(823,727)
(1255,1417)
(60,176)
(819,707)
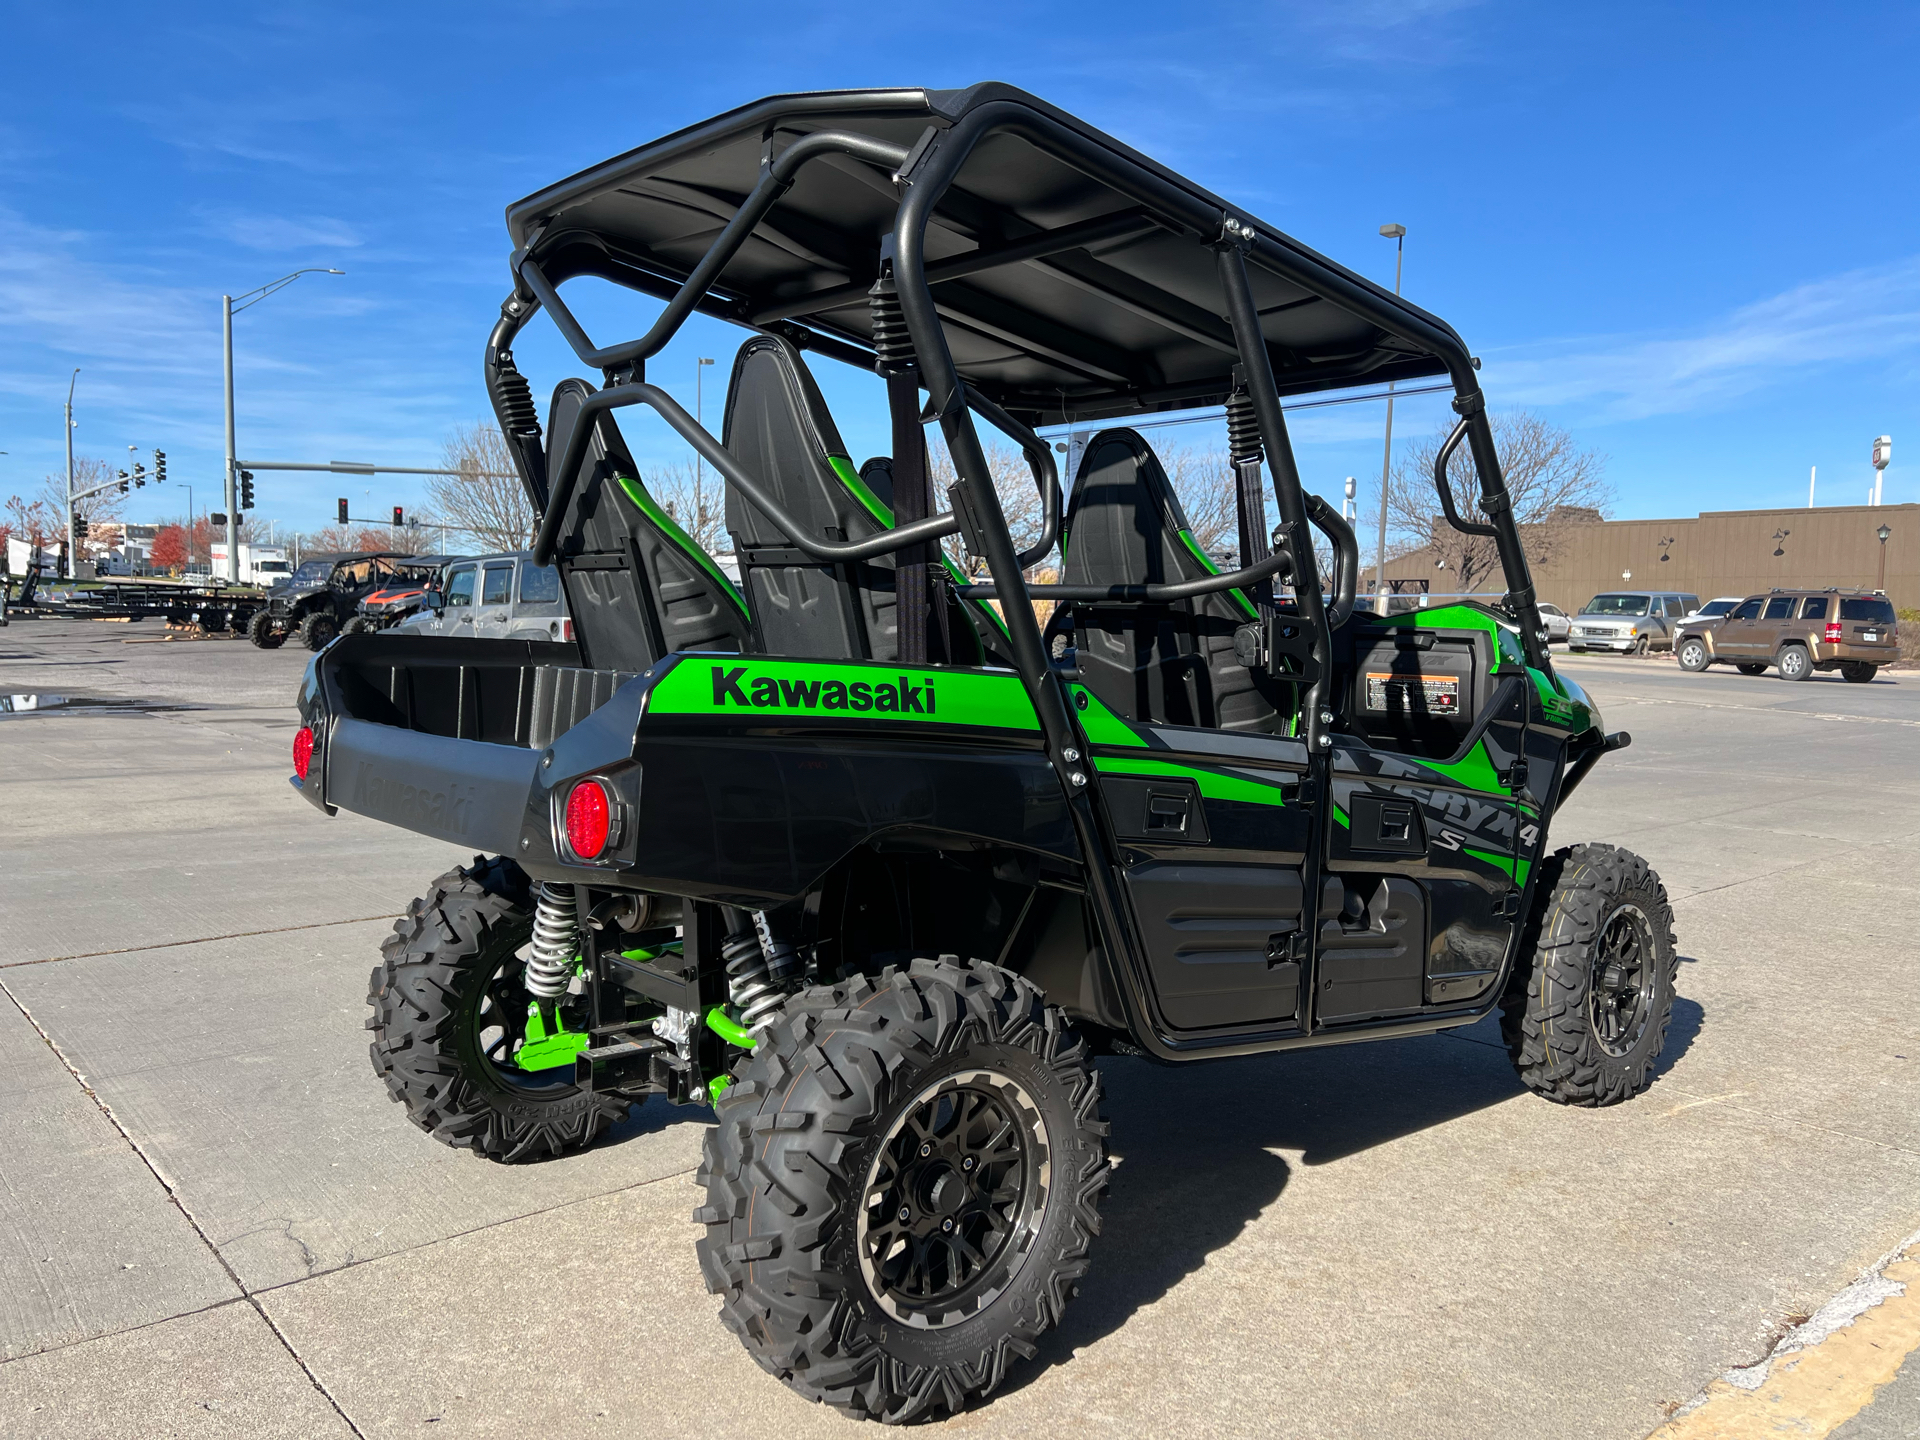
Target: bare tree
(1204,481)
(696,497)
(485,500)
(1554,486)
(1012,482)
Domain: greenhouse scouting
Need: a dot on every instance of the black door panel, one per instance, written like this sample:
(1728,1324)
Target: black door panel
(1218,939)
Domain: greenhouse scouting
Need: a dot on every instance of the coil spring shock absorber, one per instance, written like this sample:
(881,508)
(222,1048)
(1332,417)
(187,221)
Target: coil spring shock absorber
(760,969)
(556,941)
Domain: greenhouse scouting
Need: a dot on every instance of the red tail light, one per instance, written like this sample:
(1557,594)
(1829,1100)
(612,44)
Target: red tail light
(566,629)
(302,751)
(589,819)
(1833,632)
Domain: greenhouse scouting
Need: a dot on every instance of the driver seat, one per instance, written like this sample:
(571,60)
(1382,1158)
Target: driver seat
(1173,663)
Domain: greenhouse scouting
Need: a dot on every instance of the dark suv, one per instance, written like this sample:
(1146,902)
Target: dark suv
(322,596)
(1800,631)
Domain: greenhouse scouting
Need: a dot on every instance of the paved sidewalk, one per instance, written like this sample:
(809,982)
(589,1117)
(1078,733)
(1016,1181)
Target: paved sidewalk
(213,1222)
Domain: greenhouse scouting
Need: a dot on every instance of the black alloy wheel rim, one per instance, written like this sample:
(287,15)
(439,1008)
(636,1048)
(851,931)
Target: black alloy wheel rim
(500,1027)
(954,1198)
(1620,995)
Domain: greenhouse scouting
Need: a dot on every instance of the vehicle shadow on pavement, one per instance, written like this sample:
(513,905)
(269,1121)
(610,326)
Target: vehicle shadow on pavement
(1195,1148)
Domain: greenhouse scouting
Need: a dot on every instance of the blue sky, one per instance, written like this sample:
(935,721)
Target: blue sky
(1686,233)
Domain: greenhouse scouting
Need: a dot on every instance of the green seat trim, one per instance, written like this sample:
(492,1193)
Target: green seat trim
(668,526)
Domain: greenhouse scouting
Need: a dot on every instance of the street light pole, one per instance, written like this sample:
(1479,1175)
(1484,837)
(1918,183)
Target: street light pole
(71,570)
(227,311)
(1397,234)
(699,374)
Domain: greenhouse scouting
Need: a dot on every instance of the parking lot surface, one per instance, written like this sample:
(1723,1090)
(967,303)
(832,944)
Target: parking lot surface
(213,1222)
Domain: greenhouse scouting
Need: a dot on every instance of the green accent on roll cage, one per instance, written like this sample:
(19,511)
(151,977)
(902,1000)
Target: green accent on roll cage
(756,688)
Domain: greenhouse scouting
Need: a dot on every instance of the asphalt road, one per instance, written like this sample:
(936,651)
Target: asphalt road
(213,1222)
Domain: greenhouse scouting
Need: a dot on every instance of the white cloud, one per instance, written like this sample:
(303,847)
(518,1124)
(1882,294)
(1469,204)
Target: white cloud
(1870,314)
(282,232)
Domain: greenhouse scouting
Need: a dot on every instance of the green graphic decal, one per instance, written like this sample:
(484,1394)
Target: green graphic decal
(840,689)
(1518,869)
(1213,785)
(1103,724)
(1476,771)
(1340,818)
(670,527)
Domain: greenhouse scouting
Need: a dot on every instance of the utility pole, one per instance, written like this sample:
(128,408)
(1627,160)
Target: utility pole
(1397,234)
(1813,473)
(70,384)
(1882,457)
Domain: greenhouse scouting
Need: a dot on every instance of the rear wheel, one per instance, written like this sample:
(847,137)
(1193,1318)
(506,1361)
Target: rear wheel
(903,1186)
(1794,663)
(359,625)
(261,632)
(1751,668)
(318,629)
(1585,1021)
(451,1012)
(1858,672)
(1693,654)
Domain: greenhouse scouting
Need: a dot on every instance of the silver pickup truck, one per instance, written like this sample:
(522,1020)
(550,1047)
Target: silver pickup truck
(496,597)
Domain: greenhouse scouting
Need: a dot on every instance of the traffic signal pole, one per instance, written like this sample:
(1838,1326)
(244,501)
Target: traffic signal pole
(233,500)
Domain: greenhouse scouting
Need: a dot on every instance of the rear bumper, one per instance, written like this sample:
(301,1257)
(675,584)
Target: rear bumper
(1824,655)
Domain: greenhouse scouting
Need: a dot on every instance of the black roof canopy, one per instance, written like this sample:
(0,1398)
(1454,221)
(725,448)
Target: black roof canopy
(1073,276)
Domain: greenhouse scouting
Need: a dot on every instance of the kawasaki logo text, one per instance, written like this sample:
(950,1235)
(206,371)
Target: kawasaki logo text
(764,692)
(419,807)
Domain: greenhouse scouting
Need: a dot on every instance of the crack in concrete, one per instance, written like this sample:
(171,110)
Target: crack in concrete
(173,1197)
(200,940)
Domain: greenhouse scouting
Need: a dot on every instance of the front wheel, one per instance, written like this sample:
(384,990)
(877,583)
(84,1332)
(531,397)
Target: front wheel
(318,630)
(1693,655)
(452,1020)
(1794,664)
(903,1185)
(1642,645)
(1585,1020)
(1858,672)
(261,632)
(360,625)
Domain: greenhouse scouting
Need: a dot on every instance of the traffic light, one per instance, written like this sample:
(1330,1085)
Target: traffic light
(159,466)
(246,489)
(139,475)
(123,482)
(79,527)
(398,517)
(343,509)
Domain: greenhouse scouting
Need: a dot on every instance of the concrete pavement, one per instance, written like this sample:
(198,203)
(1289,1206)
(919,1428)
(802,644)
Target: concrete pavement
(212,1219)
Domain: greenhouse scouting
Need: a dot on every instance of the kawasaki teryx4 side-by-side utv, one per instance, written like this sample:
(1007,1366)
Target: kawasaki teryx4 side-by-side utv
(861,855)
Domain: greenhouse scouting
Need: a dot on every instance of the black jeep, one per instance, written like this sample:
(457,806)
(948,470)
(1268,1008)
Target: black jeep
(860,855)
(321,598)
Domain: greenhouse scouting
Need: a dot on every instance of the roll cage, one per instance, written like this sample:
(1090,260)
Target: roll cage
(1021,268)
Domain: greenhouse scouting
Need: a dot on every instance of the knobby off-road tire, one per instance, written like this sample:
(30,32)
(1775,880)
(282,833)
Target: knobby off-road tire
(1584,1021)
(261,632)
(1795,663)
(1694,655)
(430,997)
(317,629)
(359,625)
(874,1097)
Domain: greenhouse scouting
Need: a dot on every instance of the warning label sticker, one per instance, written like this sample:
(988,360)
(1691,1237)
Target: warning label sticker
(1413,694)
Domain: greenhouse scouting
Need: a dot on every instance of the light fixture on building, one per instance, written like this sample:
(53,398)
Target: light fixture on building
(1779,541)
(1665,545)
(1626,574)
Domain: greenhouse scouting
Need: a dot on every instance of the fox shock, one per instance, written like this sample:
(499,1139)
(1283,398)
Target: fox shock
(760,968)
(556,941)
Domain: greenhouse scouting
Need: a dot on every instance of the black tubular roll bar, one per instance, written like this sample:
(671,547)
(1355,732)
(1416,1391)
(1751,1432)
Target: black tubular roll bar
(776,179)
(639,392)
(1346,558)
(1046,475)
(1440,483)
(1274,564)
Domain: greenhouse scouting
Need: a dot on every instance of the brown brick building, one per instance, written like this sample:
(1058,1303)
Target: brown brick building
(1723,552)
